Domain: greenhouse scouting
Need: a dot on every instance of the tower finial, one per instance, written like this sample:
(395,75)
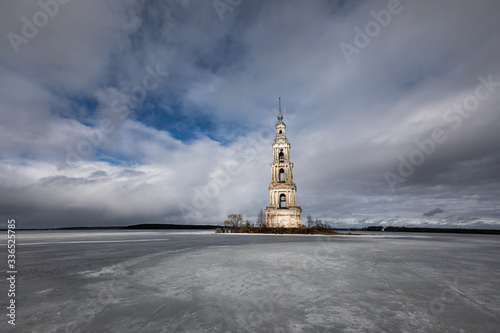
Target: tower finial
(280,115)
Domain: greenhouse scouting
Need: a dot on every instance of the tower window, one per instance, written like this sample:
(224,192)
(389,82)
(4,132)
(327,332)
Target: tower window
(282,176)
(282,201)
(282,157)
(281,132)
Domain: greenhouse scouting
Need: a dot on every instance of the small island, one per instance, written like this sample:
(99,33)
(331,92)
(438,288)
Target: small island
(277,230)
(235,224)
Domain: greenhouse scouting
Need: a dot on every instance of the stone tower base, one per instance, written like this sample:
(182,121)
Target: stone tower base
(284,217)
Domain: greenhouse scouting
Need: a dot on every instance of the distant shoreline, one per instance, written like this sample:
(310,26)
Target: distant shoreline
(433,230)
(148,226)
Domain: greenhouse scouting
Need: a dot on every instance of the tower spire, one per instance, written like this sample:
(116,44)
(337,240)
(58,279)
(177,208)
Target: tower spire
(280,115)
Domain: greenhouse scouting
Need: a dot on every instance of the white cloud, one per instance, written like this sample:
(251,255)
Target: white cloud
(347,123)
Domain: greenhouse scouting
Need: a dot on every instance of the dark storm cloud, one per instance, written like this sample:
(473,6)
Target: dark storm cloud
(351,120)
(433,212)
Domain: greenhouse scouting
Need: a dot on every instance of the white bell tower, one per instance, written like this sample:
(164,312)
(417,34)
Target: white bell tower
(282,211)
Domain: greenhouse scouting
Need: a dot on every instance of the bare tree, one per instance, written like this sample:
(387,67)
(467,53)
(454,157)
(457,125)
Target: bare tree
(317,224)
(310,222)
(261,219)
(233,221)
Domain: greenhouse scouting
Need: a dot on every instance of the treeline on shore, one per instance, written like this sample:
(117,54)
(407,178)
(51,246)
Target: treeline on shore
(437,230)
(144,226)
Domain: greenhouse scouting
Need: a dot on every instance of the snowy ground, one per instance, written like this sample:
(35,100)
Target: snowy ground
(171,281)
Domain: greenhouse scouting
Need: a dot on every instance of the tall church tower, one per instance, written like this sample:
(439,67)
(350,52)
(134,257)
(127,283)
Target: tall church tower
(283,211)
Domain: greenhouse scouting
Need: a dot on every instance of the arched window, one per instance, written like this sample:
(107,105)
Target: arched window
(282,157)
(282,201)
(281,131)
(282,176)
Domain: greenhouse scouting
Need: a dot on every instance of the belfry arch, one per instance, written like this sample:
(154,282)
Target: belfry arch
(282,201)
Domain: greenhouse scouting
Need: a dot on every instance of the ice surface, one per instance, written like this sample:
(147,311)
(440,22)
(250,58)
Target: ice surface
(198,281)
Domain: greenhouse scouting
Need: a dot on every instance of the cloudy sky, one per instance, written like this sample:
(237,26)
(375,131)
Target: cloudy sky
(125,112)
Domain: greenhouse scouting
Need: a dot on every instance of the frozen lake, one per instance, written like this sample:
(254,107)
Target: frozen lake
(198,281)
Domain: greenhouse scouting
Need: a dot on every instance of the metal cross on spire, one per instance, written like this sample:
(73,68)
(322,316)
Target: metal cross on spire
(280,115)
